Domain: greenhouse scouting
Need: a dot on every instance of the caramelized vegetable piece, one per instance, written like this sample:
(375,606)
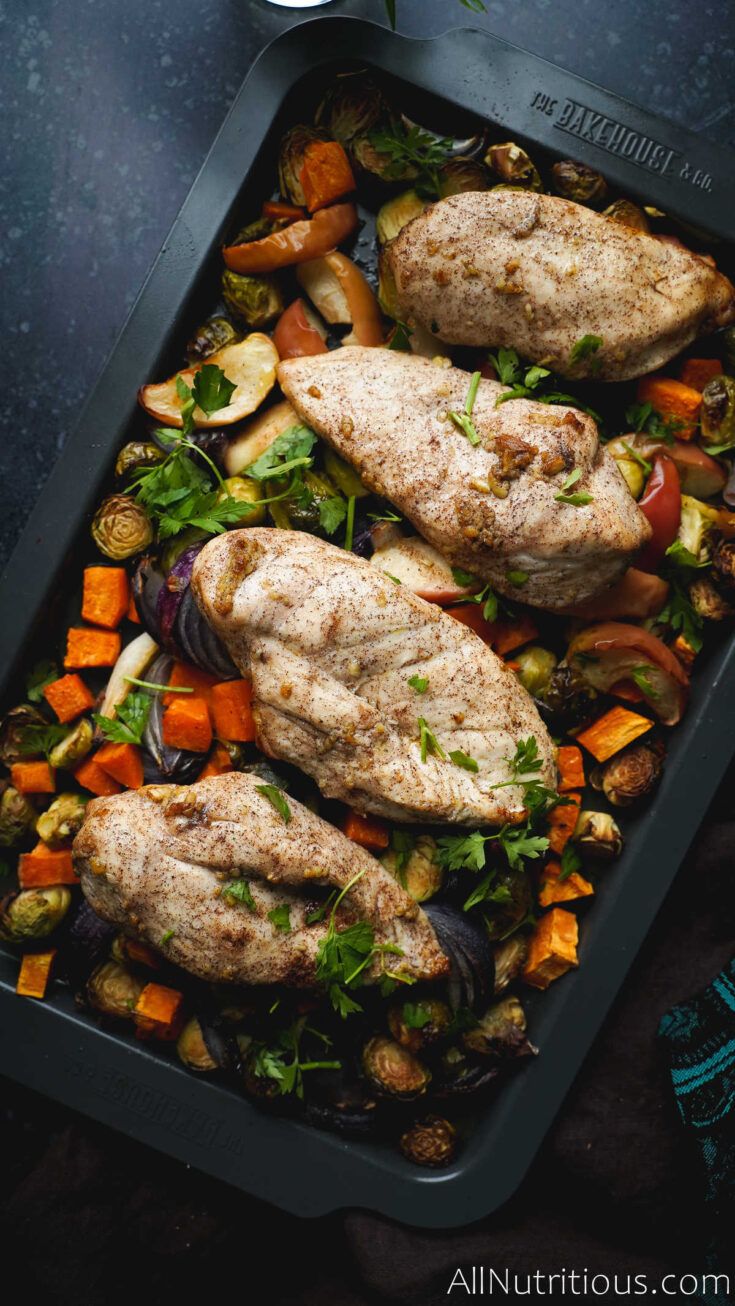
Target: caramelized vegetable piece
(296,243)
(696,372)
(326,174)
(105,597)
(43,867)
(552,950)
(257,436)
(123,762)
(674,401)
(159,1011)
(604,654)
(504,635)
(91,648)
(186,725)
(561,822)
(35,971)
(33,777)
(431,1142)
(184,676)
(661,504)
(68,697)
(639,594)
(219,762)
(570,764)
(299,333)
(552,889)
(278,211)
(232,711)
(368,831)
(631,776)
(121,527)
(250,365)
(340,292)
(90,775)
(613,731)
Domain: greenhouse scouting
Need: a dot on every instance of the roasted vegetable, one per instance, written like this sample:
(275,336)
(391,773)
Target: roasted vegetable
(256,300)
(43,867)
(33,777)
(393,1070)
(33,913)
(510,956)
(699,474)
(297,243)
(249,366)
(630,466)
(34,974)
(605,654)
(193,1050)
(612,732)
(471,957)
(578,182)
(678,404)
(415,866)
(534,667)
(632,775)
(62,820)
(462,1075)
(396,213)
(661,504)
(351,107)
(300,332)
(344,477)
(417,1024)
(513,165)
(15,735)
(212,335)
(628,213)
(326,175)
(598,835)
(291,160)
(552,949)
(105,600)
(136,454)
(697,526)
(121,527)
(569,699)
(340,292)
(707,601)
(382,164)
(431,1142)
(718,412)
(17,816)
(500,1033)
(723,565)
(245,490)
(369,831)
(511,903)
(460,175)
(257,436)
(113,990)
(74,747)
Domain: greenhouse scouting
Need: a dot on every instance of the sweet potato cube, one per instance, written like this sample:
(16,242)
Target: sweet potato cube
(368,831)
(90,775)
(676,402)
(553,889)
(105,596)
(123,762)
(43,867)
(219,762)
(33,777)
(570,765)
(68,697)
(561,822)
(231,704)
(187,725)
(552,950)
(613,731)
(35,969)
(158,1011)
(86,647)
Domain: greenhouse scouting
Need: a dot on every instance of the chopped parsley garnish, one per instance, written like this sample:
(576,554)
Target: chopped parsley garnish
(390,576)
(276,799)
(517,578)
(281,1061)
(240,891)
(43,674)
(484,595)
(419,683)
(464,760)
(416,1015)
(332,513)
(128,726)
(412,148)
(428,742)
(585,347)
(571,861)
(463,421)
(343,955)
(400,338)
(641,677)
(579,498)
(350,524)
(290,451)
(280,918)
(531,383)
(33,740)
(642,462)
(168,935)
(156,687)
(643,417)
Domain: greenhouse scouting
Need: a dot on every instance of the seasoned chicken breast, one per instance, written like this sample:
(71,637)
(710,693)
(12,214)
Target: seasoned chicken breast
(155,861)
(371,690)
(536,274)
(491,508)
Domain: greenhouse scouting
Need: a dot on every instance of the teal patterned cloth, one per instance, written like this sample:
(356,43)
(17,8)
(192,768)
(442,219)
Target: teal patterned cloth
(700,1041)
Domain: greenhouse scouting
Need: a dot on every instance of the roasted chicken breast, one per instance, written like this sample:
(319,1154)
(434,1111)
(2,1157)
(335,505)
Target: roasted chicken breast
(371,690)
(537,274)
(157,862)
(491,508)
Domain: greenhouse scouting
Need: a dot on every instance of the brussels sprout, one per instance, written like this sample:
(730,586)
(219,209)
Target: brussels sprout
(707,600)
(302,513)
(431,1142)
(535,665)
(291,161)
(73,747)
(33,913)
(350,108)
(569,699)
(723,564)
(460,175)
(631,775)
(216,333)
(135,454)
(628,213)
(511,903)
(245,490)
(500,1033)
(698,521)
(417,1024)
(510,957)
(393,1070)
(17,816)
(62,820)
(513,165)
(396,213)
(257,300)
(578,182)
(598,835)
(12,732)
(345,477)
(114,990)
(192,1049)
(121,527)
(416,868)
(380,164)
(718,411)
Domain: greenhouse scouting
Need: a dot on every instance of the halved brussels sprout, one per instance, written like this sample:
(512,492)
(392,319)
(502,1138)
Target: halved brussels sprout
(192,1048)
(393,1070)
(291,161)
(723,564)
(431,1142)
(707,601)
(121,527)
(135,454)
(17,816)
(73,748)
(460,175)
(396,213)
(114,990)
(500,1032)
(513,165)
(416,1024)
(351,107)
(535,666)
(417,869)
(212,335)
(569,698)
(631,775)
(578,182)
(33,913)
(257,300)
(718,411)
(510,957)
(598,835)
(62,820)
(245,490)
(302,513)
(628,213)
(13,732)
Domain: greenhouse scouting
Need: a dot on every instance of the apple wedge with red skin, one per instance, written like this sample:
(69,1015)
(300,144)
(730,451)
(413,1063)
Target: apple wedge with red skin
(607,653)
(299,333)
(416,564)
(700,475)
(250,364)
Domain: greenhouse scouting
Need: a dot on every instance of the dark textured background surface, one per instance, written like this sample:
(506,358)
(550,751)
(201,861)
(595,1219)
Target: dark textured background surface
(107,111)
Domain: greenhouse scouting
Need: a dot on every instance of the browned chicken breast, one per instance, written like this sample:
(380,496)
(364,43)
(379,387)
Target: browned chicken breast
(536,273)
(371,690)
(491,508)
(157,861)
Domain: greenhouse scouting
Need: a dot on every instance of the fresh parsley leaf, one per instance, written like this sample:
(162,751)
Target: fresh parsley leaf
(584,348)
(572,478)
(517,578)
(518,843)
(280,918)
(571,861)
(240,891)
(641,676)
(281,1061)
(507,365)
(415,1015)
(643,417)
(680,614)
(178,493)
(276,799)
(681,556)
(412,149)
(400,338)
(428,742)
(292,449)
(463,421)
(464,760)
(638,457)
(332,513)
(319,913)
(343,955)
(211,389)
(458,852)
(464,578)
(350,525)
(128,726)
(390,576)
(36,740)
(419,683)
(385,516)
(578,500)
(168,935)
(43,674)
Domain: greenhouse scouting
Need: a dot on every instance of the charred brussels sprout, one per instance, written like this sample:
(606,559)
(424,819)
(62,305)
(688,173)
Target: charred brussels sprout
(135,454)
(12,733)
(510,957)
(431,1142)
(632,775)
(513,165)
(597,834)
(628,213)
(73,747)
(114,990)
(416,867)
(511,903)
(723,564)
(216,333)
(121,527)
(417,1024)
(33,913)
(707,601)
(245,490)
(291,161)
(393,1070)
(62,820)
(460,175)
(535,667)
(192,1048)
(577,182)
(352,107)
(568,699)
(257,300)
(718,411)
(500,1033)
(395,214)
(17,817)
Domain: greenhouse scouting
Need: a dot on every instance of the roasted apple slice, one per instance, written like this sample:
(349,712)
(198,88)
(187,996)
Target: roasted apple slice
(250,365)
(338,289)
(417,565)
(253,440)
(611,652)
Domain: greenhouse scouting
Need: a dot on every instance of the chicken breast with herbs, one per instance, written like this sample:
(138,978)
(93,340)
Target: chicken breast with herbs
(538,274)
(160,862)
(492,507)
(391,705)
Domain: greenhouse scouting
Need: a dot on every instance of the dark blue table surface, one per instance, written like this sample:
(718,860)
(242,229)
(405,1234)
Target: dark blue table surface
(108,110)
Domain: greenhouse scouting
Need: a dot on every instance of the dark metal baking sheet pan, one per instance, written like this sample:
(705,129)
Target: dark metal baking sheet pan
(60,1051)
